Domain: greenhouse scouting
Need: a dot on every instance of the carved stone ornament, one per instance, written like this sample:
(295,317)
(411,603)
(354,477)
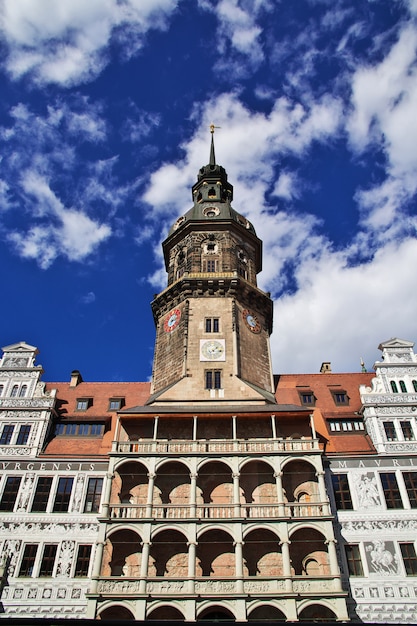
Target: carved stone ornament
(367,490)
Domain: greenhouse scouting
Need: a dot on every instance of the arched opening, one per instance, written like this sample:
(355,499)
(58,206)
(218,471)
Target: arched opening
(116,613)
(259,489)
(317,613)
(215,555)
(262,554)
(169,555)
(122,555)
(308,553)
(266,613)
(301,490)
(172,483)
(217,614)
(129,491)
(215,491)
(164,613)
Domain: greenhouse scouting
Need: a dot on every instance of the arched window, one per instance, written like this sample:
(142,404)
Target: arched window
(14,391)
(402,386)
(414,385)
(394,387)
(23,390)
(2,389)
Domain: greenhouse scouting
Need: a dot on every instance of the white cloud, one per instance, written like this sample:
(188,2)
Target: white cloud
(384,105)
(340,313)
(68,232)
(65,42)
(286,186)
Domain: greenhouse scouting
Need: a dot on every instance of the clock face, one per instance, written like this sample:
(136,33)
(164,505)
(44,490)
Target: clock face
(251,321)
(172,320)
(212,350)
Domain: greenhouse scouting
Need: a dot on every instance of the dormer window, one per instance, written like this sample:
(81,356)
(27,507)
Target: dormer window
(307,398)
(340,397)
(115,404)
(84,403)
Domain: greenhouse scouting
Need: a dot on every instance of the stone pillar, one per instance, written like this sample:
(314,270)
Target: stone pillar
(280,494)
(144,566)
(334,566)
(195,421)
(191,566)
(322,492)
(107,494)
(239,566)
(155,428)
(286,563)
(236,495)
(98,558)
(151,483)
(234,429)
(193,494)
(274,427)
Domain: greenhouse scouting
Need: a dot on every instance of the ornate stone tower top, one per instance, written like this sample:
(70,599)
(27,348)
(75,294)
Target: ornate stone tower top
(213,322)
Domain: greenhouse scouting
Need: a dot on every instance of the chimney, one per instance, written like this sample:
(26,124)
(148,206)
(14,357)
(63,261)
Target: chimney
(76,378)
(326,368)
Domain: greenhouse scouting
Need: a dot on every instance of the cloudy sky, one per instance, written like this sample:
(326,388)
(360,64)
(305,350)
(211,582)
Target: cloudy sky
(104,122)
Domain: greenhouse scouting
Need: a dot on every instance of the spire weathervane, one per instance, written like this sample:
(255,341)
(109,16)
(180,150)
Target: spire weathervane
(212,155)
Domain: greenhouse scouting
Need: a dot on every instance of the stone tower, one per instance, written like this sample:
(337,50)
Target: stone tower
(212,321)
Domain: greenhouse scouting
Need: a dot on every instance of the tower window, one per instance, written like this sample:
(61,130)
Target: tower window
(6,434)
(394,387)
(354,561)
(210,265)
(402,386)
(391,491)
(48,560)
(212,325)
(414,384)
(341,492)
(23,435)
(408,552)
(28,560)
(213,379)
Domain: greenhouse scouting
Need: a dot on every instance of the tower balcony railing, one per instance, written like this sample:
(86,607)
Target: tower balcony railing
(293,510)
(250,585)
(215,446)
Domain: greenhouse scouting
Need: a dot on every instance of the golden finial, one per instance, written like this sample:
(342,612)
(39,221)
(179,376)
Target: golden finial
(212,127)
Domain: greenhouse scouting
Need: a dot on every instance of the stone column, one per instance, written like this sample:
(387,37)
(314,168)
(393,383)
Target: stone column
(193,494)
(322,492)
(155,427)
(239,566)
(234,429)
(274,427)
(280,494)
(107,494)
(151,483)
(98,558)
(191,566)
(236,495)
(144,566)
(286,563)
(334,566)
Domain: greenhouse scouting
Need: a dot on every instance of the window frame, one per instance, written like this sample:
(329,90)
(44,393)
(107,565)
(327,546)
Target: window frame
(8,494)
(392,493)
(410,481)
(213,379)
(82,562)
(29,555)
(341,492)
(390,430)
(42,495)
(7,434)
(93,495)
(83,404)
(409,556)
(340,397)
(23,434)
(212,325)
(48,560)
(354,559)
(407,430)
(62,499)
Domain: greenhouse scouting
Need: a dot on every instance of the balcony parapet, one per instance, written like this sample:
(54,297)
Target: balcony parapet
(327,585)
(215,446)
(293,510)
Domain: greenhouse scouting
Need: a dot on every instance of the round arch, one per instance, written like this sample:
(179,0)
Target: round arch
(216,612)
(115,612)
(316,612)
(165,612)
(266,613)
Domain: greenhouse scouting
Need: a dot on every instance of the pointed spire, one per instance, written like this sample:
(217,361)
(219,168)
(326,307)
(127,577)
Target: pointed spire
(212,155)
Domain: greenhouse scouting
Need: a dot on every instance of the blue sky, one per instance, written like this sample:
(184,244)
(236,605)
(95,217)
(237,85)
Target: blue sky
(104,122)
